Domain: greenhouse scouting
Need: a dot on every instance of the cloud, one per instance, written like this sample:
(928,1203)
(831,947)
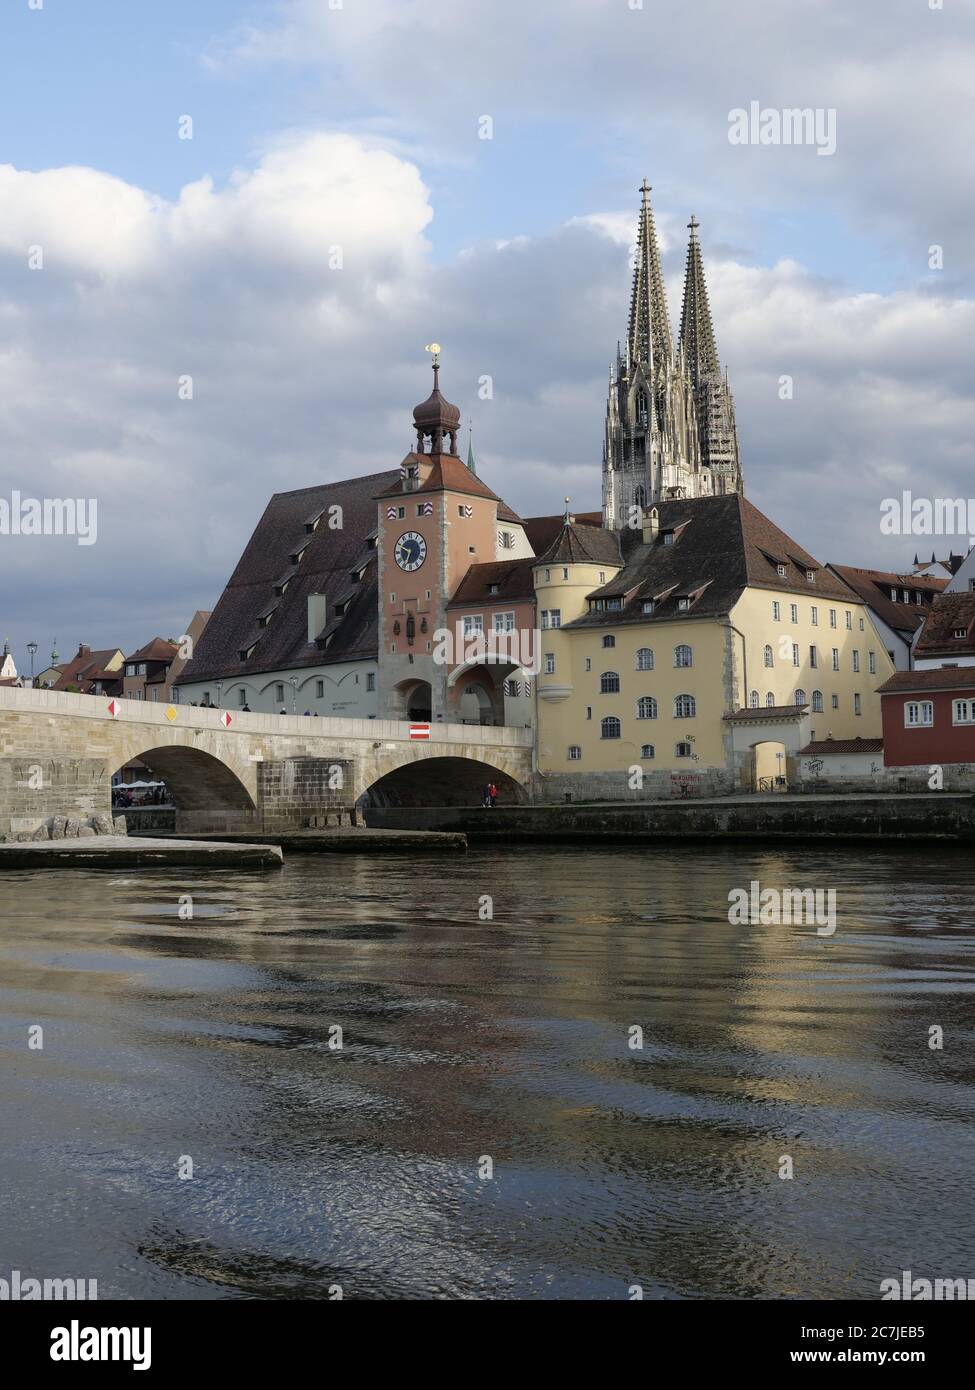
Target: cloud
(303,372)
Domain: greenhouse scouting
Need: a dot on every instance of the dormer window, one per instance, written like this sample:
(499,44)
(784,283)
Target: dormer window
(961,633)
(614,604)
(810,576)
(893,595)
(493,588)
(780,570)
(683,603)
(668,537)
(265,618)
(296,557)
(648,605)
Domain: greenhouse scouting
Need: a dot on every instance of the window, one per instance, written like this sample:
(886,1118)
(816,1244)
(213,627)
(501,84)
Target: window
(835,701)
(683,656)
(647,751)
(473,624)
(565,574)
(856,704)
(813,658)
(646,707)
(770,700)
(588,663)
(507,540)
(856,660)
(849,620)
(793,612)
(836,658)
(683,603)
(503,622)
(959,632)
(319,689)
(609,683)
(780,571)
(907,597)
(493,588)
(872,663)
(648,605)
(753,699)
(550,663)
(832,617)
(963,712)
(668,537)
(814,616)
(776,611)
(800,697)
(795,654)
(683,750)
(609,727)
(548,576)
(685,707)
(278,694)
(551,617)
(401,512)
(893,595)
(810,576)
(575,753)
(769,657)
(861,624)
(511,688)
(392,598)
(918,714)
(644,659)
(602,576)
(241,697)
(588,711)
(609,641)
(370,680)
(460,511)
(817,702)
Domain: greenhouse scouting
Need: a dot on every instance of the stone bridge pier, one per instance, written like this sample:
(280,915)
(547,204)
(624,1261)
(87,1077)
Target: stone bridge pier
(231,772)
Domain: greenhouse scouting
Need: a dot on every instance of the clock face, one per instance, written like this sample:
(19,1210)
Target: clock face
(411,551)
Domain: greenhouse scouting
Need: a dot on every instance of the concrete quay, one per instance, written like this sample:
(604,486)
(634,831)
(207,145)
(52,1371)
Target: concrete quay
(124,852)
(346,839)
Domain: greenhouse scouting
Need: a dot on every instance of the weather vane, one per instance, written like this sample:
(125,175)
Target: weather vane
(435,349)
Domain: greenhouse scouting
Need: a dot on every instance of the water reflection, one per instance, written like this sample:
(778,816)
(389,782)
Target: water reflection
(463,1038)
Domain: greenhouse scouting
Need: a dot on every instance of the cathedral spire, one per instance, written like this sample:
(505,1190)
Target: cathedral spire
(696,329)
(648,337)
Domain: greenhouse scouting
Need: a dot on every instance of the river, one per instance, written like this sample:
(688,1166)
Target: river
(486,1130)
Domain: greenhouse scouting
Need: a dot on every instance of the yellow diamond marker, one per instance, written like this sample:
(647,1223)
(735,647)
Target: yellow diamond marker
(171,714)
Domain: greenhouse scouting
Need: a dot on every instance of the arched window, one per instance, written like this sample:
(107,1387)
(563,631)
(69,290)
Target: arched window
(640,498)
(769,658)
(800,697)
(644,659)
(647,751)
(754,699)
(610,727)
(683,656)
(609,640)
(646,707)
(817,703)
(685,707)
(609,683)
(770,700)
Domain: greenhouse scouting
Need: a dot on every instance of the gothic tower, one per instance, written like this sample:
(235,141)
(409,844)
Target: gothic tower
(670,424)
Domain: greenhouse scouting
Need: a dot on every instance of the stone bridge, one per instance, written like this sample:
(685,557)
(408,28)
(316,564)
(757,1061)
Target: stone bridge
(247,772)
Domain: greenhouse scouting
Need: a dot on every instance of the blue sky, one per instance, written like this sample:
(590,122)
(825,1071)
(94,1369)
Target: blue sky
(209,255)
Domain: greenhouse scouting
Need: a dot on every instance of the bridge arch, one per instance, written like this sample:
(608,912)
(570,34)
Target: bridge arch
(438,780)
(208,794)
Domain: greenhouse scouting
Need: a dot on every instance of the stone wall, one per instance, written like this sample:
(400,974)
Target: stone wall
(34,790)
(660,785)
(291,792)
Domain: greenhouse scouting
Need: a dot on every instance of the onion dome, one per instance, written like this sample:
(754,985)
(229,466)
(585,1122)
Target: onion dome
(436,418)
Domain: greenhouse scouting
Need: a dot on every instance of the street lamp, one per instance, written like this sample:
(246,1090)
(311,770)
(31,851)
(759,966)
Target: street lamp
(32,649)
(219,694)
(294,694)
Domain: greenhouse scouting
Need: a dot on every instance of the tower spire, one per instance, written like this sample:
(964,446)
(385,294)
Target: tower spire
(648,338)
(696,329)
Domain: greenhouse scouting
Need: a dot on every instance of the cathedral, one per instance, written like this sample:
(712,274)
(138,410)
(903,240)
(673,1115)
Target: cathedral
(670,415)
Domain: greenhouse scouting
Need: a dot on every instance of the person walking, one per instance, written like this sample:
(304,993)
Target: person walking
(493,793)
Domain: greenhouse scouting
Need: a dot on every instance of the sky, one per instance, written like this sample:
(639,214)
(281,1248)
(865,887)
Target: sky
(190,324)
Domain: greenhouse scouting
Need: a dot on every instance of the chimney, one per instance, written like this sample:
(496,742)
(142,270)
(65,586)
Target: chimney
(651,525)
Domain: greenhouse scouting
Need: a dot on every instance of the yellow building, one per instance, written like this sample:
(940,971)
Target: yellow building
(701,653)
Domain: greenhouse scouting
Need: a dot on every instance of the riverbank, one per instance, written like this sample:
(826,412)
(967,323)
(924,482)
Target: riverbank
(344,839)
(944,817)
(135,852)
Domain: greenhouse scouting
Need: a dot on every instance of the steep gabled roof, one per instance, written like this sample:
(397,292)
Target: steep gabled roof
(159,649)
(948,614)
(874,587)
(328,557)
(513,578)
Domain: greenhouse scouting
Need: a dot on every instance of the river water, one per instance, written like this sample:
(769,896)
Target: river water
(486,1130)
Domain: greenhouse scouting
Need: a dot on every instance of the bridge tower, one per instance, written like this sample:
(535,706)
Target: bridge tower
(438,521)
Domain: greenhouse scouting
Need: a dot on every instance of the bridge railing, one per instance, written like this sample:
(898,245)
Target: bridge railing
(36,701)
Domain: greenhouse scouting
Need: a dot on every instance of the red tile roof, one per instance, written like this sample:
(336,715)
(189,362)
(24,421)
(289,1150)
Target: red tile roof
(948,614)
(513,578)
(156,650)
(937,678)
(844,745)
(874,587)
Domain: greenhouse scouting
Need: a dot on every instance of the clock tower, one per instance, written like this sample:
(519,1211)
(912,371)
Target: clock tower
(432,527)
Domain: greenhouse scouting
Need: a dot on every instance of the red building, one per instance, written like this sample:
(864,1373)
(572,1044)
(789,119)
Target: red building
(929,716)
